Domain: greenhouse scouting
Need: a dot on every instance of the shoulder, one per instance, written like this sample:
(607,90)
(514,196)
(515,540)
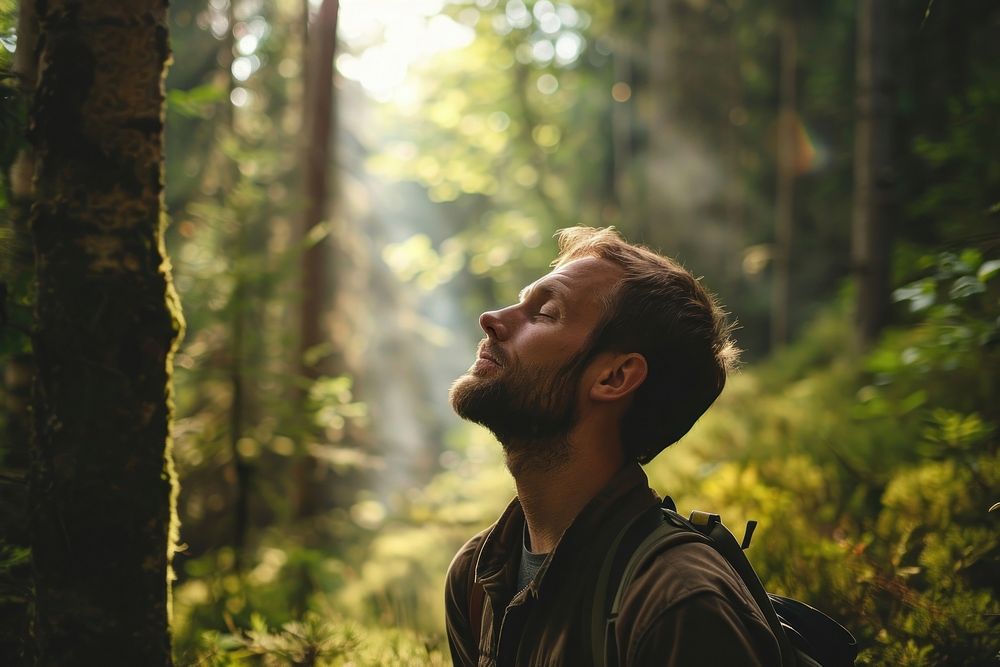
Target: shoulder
(689,597)
(682,571)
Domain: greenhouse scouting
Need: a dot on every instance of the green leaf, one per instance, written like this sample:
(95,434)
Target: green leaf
(988,269)
(920,294)
(230,642)
(965,287)
(971,257)
(196,102)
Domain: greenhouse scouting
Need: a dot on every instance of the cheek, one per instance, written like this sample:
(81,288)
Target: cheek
(541,339)
(550,346)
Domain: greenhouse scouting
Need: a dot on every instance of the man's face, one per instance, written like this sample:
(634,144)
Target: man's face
(524,385)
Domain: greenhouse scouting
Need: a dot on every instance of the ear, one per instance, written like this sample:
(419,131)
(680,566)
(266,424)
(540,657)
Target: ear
(619,377)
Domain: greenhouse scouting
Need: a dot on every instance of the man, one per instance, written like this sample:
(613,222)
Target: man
(601,364)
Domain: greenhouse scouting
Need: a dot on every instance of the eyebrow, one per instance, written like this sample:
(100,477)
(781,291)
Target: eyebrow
(552,288)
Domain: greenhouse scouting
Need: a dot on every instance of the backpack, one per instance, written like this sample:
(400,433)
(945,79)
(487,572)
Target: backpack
(806,636)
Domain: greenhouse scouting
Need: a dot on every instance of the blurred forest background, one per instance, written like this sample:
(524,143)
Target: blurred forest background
(348,185)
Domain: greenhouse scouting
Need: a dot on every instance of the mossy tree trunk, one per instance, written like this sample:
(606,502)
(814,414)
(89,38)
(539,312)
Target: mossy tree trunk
(107,321)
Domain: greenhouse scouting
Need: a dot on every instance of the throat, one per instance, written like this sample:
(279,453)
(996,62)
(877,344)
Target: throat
(552,496)
(550,499)
(528,458)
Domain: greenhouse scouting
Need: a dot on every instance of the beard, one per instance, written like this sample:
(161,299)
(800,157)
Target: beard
(530,410)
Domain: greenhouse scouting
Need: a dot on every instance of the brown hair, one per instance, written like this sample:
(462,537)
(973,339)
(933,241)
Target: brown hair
(661,311)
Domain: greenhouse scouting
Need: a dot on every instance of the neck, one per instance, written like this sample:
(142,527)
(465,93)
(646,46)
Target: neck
(553,495)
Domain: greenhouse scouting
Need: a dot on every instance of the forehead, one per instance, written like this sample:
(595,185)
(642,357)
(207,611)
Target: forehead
(582,280)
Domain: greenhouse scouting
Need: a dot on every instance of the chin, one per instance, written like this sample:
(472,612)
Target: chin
(473,397)
(461,388)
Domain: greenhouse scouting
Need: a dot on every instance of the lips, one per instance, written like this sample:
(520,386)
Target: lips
(491,355)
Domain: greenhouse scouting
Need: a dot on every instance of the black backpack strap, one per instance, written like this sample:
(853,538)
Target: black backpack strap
(615,560)
(725,543)
(644,536)
(672,529)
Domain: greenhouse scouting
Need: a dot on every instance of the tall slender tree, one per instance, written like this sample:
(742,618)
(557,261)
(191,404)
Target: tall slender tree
(874,175)
(106,324)
(622,121)
(318,124)
(15,279)
(238,306)
(787,149)
(664,38)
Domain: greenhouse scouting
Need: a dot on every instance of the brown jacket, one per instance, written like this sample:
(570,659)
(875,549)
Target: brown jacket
(686,607)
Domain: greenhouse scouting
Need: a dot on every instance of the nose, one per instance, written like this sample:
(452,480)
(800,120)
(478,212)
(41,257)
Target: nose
(492,324)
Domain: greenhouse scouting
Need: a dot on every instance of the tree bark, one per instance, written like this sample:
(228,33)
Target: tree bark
(318,125)
(107,321)
(787,147)
(874,174)
(318,133)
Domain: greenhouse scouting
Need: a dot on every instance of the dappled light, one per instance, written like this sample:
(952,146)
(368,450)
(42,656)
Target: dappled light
(346,186)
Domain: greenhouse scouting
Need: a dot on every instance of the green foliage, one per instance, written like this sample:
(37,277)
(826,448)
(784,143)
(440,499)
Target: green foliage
(198,102)
(14,563)
(388,577)
(964,163)
(315,642)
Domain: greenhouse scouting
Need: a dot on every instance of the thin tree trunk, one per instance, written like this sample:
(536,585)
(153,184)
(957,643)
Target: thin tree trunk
(318,135)
(319,123)
(623,187)
(107,321)
(781,296)
(663,126)
(874,176)
(735,195)
(238,307)
(22,171)
(18,371)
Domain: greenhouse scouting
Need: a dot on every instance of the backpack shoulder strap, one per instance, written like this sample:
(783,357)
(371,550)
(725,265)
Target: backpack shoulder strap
(644,536)
(674,529)
(725,543)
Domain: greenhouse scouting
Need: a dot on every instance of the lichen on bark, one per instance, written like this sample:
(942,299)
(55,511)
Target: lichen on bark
(107,322)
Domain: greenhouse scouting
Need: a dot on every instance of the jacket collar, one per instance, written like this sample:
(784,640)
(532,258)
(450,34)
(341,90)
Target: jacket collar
(625,495)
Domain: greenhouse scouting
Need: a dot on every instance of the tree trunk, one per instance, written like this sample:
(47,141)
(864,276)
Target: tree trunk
(16,276)
(318,134)
(661,223)
(781,295)
(735,193)
(874,175)
(622,184)
(107,321)
(229,176)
